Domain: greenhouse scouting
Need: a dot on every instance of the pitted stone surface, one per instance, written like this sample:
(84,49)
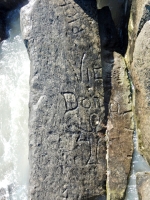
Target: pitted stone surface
(119,131)
(141,75)
(138,16)
(143,185)
(67,142)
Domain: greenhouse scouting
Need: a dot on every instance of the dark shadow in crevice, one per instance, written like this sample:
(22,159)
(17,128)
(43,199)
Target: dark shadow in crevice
(89,7)
(107,63)
(114,38)
(109,43)
(122,27)
(108,32)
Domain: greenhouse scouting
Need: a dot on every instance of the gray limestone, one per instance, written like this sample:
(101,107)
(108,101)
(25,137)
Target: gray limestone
(67,101)
(141,73)
(143,185)
(67,141)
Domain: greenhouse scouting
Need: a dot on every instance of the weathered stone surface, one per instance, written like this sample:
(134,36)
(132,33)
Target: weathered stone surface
(138,16)
(137,12)
(141,75)
(118,102)
(67,142)
(119,131)
(143,185)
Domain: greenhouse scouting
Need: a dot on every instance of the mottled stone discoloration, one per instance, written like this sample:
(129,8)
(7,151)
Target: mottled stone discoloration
(118,98)
(143,185)
(118,9)
(141,75)
(119,131)
(67,143)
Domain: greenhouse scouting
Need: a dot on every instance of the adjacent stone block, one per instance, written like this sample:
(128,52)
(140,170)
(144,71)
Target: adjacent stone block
(143,185)
(119,131)
(138,16)
(141,78)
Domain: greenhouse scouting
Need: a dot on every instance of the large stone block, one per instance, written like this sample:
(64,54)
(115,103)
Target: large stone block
(119,131)
(118,11)
(143,185)
(140,71)
(139,14)
(67,141)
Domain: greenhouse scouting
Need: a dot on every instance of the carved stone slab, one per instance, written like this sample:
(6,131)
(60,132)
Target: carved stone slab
(67,143)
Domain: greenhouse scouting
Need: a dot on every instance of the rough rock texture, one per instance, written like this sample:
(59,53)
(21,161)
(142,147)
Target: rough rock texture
(67,142)
(73,93)
(137,59)
(118,102)
(139,14)
(119,131)
(143,185)
(140,71)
